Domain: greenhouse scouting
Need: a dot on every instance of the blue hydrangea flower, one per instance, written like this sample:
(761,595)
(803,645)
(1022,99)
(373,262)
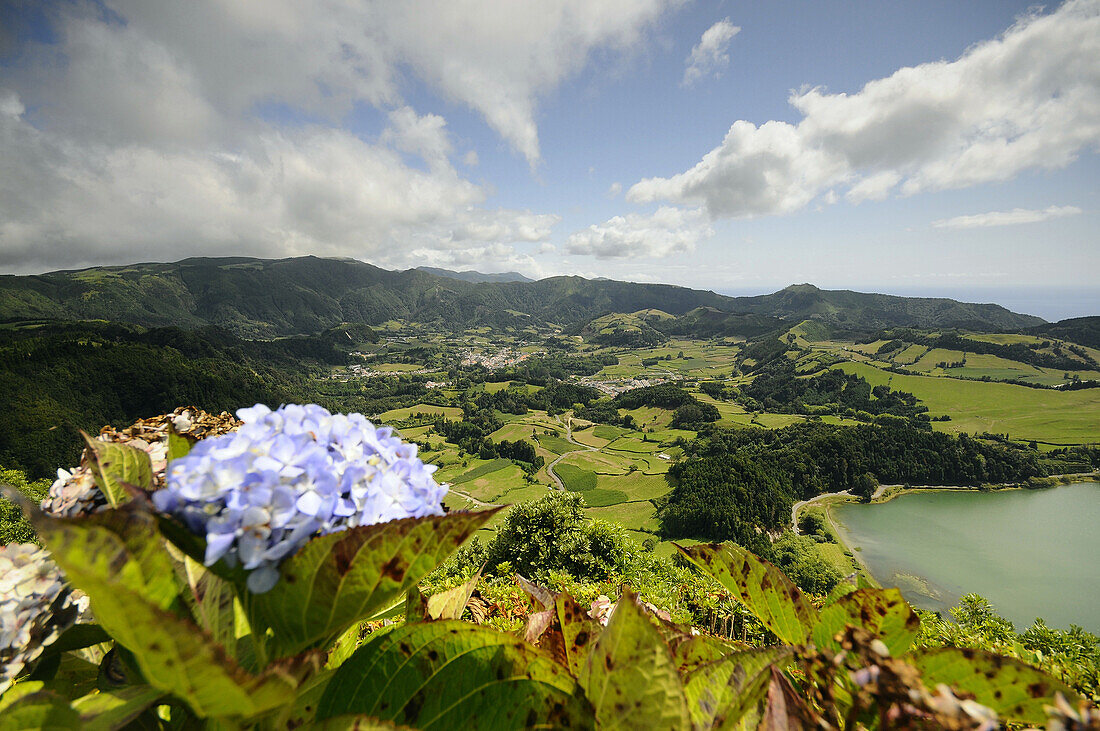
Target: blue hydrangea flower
(259,494)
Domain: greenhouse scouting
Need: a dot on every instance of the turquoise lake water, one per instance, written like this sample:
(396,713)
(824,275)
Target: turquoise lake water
(1032,553)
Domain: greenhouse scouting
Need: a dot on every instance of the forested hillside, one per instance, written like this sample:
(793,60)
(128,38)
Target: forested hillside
(269,297)
(58,378)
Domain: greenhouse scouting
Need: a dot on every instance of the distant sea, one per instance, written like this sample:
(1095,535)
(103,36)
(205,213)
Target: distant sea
(1049,303)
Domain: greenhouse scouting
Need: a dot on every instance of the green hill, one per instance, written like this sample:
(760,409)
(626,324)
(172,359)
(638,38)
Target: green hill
(859,309)
(1080,330)
(273,297)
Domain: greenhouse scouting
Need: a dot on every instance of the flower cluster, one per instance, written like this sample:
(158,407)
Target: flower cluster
(36,606)
(74,492)
(259,494)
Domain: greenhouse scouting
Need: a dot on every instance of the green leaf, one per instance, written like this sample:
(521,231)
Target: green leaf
(211,600)
(720,693)
(760,586)
(304,707)
(107,710)
(630,676)
(450,604)
(354,723)
(179,445)
(27,706)
(337,580)
(119,546)
(120,561)
(1015,690)
(344,646)
(113,464)
(579,632)
(882,612)
(77,637)
(694,652)
(453,674)
(843,588)
(75,676)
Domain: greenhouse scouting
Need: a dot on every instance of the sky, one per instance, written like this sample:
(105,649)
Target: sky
(910,147)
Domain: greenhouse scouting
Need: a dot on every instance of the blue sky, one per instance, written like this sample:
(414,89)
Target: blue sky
(915,147)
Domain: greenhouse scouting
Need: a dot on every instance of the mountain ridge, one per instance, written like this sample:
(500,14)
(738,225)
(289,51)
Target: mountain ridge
(476,277)
(275,297)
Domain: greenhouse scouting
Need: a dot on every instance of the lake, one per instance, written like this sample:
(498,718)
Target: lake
(1032,553)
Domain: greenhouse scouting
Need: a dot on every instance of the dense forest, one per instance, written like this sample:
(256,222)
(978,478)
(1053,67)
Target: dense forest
(734,481)
(58,378)
(778,387)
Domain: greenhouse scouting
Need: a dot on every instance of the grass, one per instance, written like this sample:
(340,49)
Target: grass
(635,486)
(574,478)
(609,433)
(450,412)
(834,555)
(557,445)
(598,462)
(1062,417)
(482,469)
(396,367)
(641,516)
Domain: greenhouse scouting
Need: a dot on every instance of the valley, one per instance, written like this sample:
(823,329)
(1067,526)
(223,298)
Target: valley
(682,424)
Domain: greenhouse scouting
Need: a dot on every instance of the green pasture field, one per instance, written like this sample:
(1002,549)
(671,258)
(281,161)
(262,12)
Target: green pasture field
(555,444)
(1005,338)
(493,387)
(833,553)
(865,348)
(729,410)
(494,485)
(395,367)
(450,412)
(1061,417)
(910,354)
(576,479)
(639,516)
(929,360)
(588,438)
(607,464)
(632,443)
(608,433)
(650,416)
(513,431)
(635,486)
(485,468)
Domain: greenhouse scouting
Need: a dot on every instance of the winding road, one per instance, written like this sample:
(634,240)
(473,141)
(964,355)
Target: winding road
(797,506)
(473,499)
(569,438)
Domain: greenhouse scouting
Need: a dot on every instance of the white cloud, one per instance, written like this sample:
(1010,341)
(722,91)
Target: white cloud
(315,190)
(10,104)
(1028,99)
(874,187)
(614,189)
(756,171)
(709,56)
(163,129)
(497,56)
(470,159)
(425,136)
(667,231)
(1006,218)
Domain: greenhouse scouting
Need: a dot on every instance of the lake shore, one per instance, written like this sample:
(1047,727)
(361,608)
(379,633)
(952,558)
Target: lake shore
(934,590)
(886,493)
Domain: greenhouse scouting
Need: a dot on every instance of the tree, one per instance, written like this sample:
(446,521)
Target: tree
(865,486)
